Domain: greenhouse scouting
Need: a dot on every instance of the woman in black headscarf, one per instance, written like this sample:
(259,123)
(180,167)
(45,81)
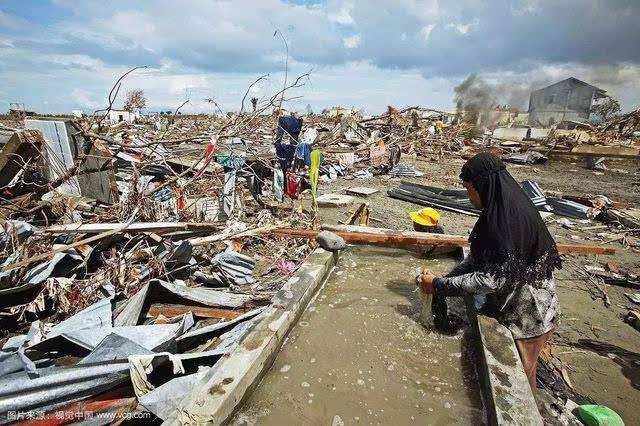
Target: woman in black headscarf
(511,262)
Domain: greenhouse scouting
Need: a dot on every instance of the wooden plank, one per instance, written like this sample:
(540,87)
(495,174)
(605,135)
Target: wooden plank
(228,234)
(173,310)
(626,218)
(361,191)
(383,236)
(356,214)
(96,228)
(565,248)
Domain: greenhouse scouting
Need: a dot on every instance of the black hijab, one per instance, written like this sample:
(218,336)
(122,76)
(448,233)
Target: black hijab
(509,239)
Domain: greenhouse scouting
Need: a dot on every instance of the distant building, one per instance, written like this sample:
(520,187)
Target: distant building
(569,99)
(117,115)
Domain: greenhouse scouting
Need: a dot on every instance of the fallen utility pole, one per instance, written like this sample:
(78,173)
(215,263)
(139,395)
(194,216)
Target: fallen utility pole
(382,236)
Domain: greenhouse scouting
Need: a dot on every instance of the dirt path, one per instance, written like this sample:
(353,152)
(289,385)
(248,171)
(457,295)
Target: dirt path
(358,356)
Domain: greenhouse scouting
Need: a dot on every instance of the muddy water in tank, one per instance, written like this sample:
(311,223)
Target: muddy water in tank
(359,355)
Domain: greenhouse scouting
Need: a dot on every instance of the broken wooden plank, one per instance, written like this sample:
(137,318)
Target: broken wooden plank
(564,248)
(361,191)
(156,227)
(358,214)
(626,218)
(174,310)
(229,234)
(45,256)
(383,236)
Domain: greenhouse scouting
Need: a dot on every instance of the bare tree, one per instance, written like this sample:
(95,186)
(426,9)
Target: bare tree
(135,101)
(254,103)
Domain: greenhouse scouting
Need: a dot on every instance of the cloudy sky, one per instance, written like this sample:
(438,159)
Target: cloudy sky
(59,55)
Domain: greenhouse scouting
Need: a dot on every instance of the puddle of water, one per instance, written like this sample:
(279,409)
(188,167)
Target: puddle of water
(359,355)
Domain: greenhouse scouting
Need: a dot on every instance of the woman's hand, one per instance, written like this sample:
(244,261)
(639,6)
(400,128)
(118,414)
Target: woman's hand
(425,281)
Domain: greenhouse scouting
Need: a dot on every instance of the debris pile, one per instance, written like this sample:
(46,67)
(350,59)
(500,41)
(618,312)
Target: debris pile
(133,256)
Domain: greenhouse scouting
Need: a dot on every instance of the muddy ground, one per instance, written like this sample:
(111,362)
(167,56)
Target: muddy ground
(601,351)
(359,354)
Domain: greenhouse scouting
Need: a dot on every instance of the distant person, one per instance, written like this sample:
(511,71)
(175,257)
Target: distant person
(512,260)
(290,126)
(293,180)
(439,125)
(426,220)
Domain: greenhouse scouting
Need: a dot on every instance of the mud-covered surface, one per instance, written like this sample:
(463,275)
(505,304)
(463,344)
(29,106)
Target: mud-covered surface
(601,351)
(359,356)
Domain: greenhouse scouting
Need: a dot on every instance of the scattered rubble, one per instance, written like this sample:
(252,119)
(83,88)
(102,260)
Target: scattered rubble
(136,253)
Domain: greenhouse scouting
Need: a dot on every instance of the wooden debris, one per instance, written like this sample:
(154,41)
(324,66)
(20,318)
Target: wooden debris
(361,213)
(155,227)
(382,236)
(173,310)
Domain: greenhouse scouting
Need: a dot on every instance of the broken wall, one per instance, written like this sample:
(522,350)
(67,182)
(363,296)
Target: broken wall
(63,147)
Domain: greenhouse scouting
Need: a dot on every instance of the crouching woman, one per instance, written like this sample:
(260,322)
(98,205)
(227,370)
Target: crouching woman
(511,262)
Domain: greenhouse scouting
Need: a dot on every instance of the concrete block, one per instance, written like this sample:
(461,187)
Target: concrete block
(510,133)
(334,200)
(361,191)
(537,133)
(506,389)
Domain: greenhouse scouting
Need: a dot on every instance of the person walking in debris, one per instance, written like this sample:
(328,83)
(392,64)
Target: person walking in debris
(512,260)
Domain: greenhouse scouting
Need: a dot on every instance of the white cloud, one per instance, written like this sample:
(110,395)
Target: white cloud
(11,22)
(342,16)
(84,99)
(216,49)
(425,32)
(351,42)
(463,28)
